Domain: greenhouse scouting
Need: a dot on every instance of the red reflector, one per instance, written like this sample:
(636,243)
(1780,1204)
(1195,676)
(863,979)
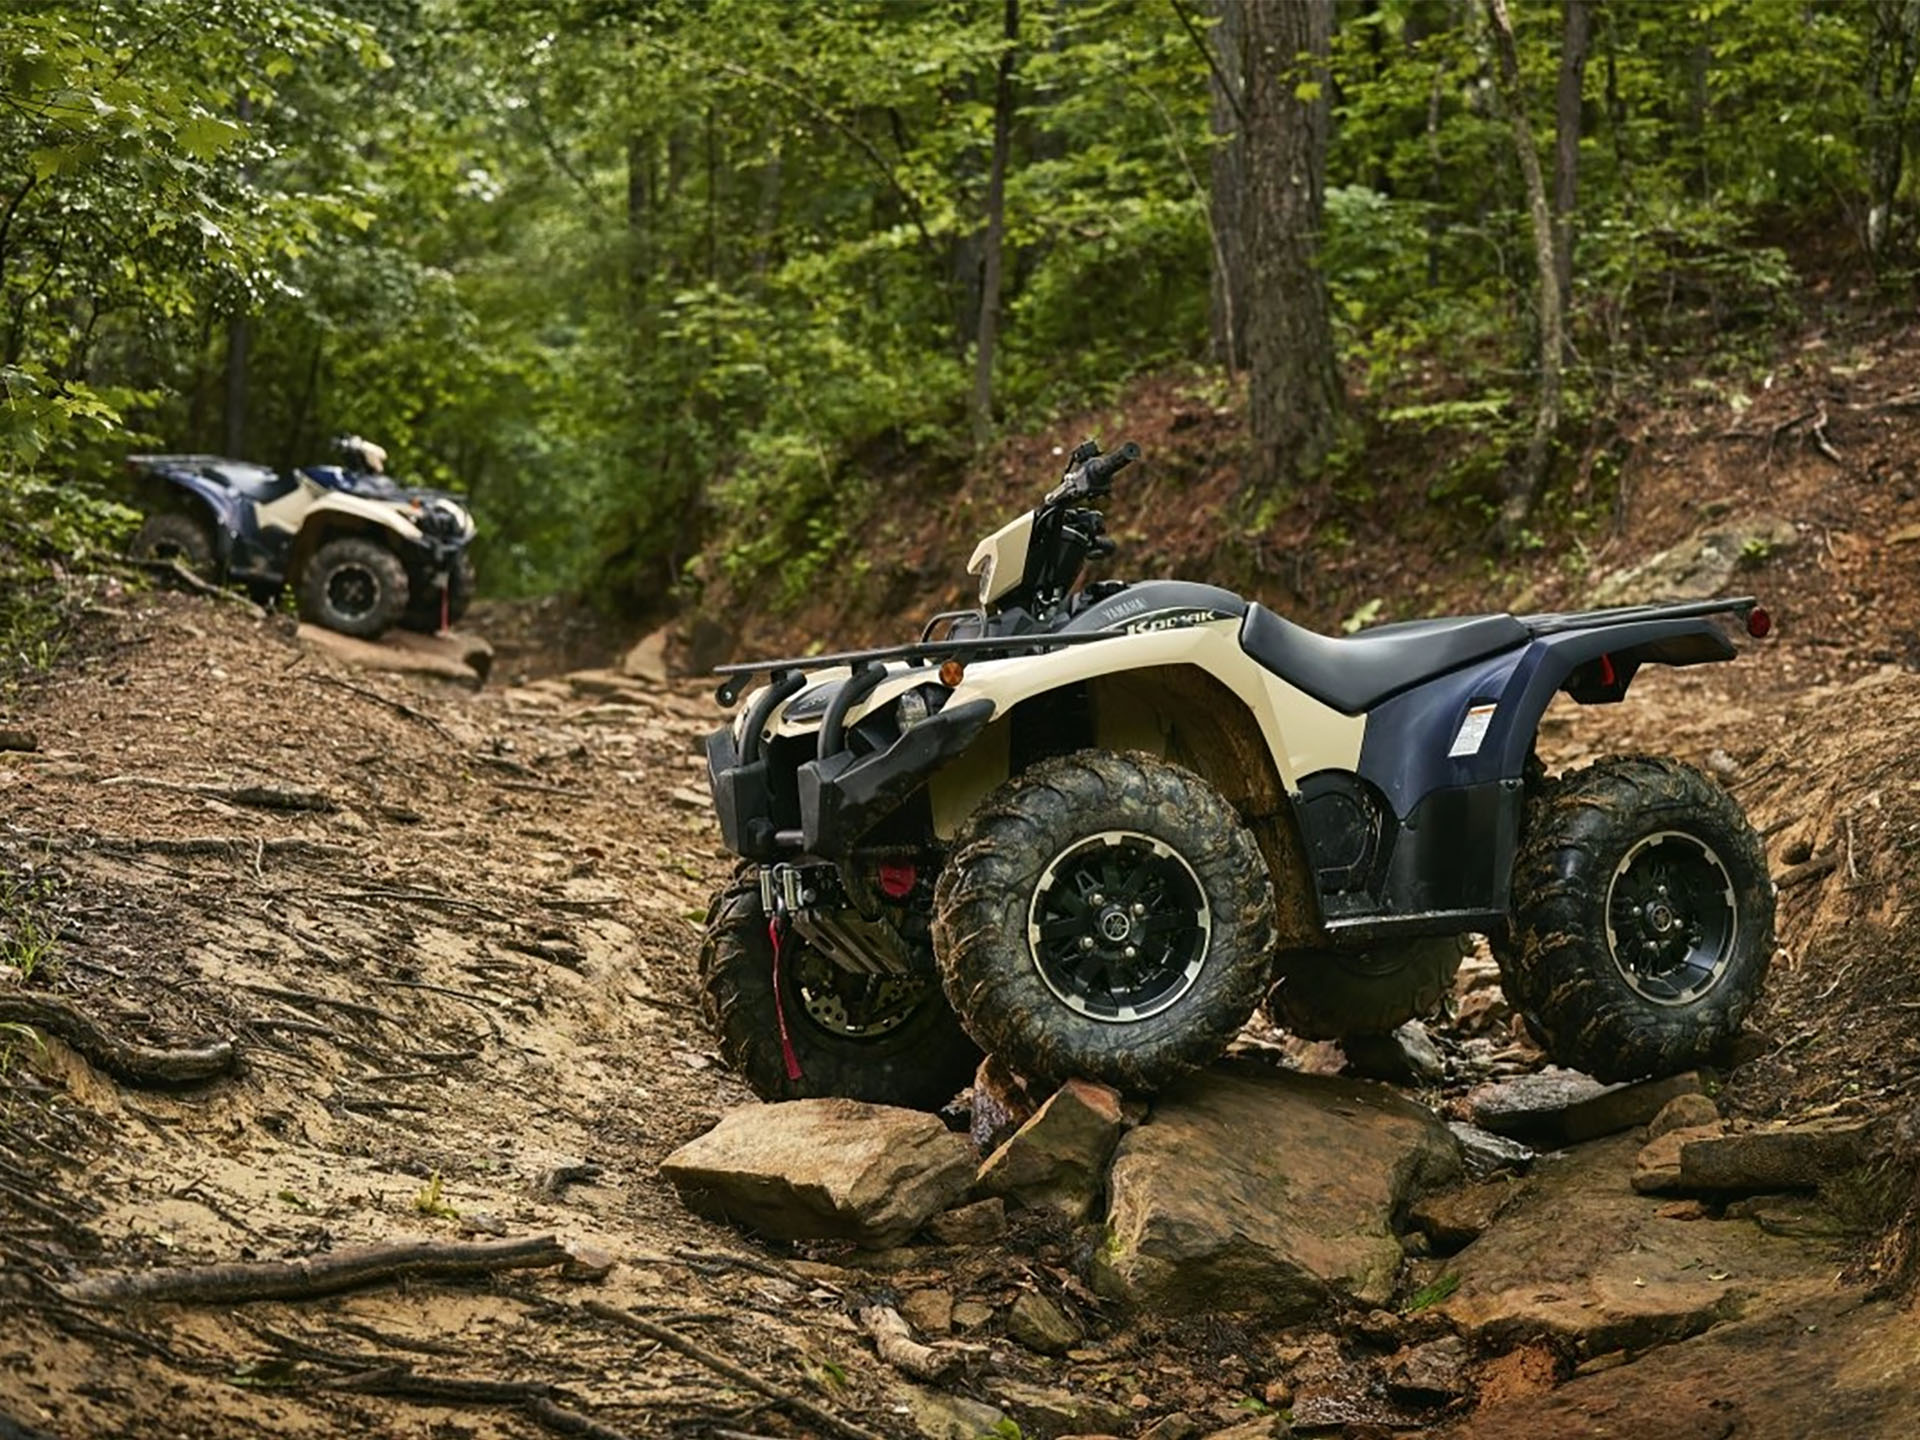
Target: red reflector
(896,881)
(1759,623)
(1607,677)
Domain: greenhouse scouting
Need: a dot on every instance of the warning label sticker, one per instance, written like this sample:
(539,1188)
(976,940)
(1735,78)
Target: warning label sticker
(1473,730)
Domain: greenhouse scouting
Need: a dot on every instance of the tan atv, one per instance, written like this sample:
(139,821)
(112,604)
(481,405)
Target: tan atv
(1092,829)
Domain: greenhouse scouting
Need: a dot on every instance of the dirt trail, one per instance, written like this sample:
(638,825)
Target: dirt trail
(459,982)
(470,974)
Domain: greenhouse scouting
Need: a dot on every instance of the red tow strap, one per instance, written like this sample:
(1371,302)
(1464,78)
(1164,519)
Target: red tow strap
(774,930)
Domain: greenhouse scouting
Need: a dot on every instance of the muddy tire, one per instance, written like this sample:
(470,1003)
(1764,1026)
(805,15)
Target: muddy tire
(1328,994)
(1066,869)
(355,586)
(1642,920)
(921,1060)
(175,537)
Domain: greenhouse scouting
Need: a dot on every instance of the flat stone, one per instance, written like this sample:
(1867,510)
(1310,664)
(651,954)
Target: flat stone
(1801,1215)
(1041,1325)
(1656,1168)
(1485,1153)
(828,1169)
(1057,1161)
(1683,1112)
(1261,1190)
(1454,1219)
(1581,1259)
(1408,1056)
(1050,1410)
(1790,1157)
(974,1224)
(971,1314)
(939,1416)
(1436,1370)
(390,653)
(1564,1107)
(1261,1427)
(928,1311)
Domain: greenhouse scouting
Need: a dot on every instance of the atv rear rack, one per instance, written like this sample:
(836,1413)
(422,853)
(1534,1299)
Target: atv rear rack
(982,647)
(1554,621)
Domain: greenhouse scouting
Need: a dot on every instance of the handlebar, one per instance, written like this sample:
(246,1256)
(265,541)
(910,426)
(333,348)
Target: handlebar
(1092,473)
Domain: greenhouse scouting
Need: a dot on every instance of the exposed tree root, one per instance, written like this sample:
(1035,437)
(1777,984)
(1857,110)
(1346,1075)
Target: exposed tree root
(125,1060)
(740,1375)
(321,1274)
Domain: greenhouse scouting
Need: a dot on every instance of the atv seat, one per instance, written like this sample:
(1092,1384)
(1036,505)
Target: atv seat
(1356,673)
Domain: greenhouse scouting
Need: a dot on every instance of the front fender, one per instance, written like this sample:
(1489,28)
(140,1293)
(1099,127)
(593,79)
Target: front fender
(375,512)
(1301,734)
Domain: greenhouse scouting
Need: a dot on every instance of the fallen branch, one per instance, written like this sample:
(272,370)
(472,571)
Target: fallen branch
(174,570)
(739,1374)
(317,1275)
(260,797)
(893,1339)
(125,1060)
(399,707)
(1807,870)
(232,846)
(418,897)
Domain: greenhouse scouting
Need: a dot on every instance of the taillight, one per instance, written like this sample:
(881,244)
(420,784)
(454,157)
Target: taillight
(897,880)
(1759,623)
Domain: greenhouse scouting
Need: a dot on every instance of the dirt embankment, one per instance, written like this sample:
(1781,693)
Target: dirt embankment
(449,939)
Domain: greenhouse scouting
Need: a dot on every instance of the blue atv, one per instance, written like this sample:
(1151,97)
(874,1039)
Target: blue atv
(362,553)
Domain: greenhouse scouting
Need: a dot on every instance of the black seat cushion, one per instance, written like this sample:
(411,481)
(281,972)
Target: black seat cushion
(1357,672)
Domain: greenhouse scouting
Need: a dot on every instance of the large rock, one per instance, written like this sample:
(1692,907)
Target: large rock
(1656,1169)
(1057,1161)
(824,1170)
(1835,1367)
(1700,566)
(454,658)
(647,660)
(939,1416)
(1582,1260)
(1789,1157)
(1259,1190)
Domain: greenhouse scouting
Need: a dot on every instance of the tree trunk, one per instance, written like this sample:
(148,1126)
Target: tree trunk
(1526,486)
(1893,58)
(1228,57)
(1575,43)
(235,414)
(986,334)
(1294,397)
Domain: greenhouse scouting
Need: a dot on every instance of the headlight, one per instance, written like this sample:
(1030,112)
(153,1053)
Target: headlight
(984,570)
(912,708)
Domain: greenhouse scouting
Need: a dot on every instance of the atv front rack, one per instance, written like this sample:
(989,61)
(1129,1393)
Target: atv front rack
(979,648)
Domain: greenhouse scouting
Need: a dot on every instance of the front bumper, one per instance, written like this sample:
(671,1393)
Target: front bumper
(840,796)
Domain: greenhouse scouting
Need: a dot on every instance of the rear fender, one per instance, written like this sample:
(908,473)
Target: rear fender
(228,511)
(1426,739)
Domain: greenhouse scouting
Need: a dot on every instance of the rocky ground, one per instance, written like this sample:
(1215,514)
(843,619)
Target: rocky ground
(322,958)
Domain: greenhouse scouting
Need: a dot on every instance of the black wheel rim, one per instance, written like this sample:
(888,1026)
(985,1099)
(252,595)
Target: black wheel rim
(170,550)
(1672,918)
(1119,926)
(353,591)
(842,1004)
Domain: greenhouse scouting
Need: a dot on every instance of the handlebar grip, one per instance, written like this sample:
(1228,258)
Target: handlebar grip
(1103,468)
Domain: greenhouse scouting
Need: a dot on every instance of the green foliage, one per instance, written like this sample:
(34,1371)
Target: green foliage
(669,287)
